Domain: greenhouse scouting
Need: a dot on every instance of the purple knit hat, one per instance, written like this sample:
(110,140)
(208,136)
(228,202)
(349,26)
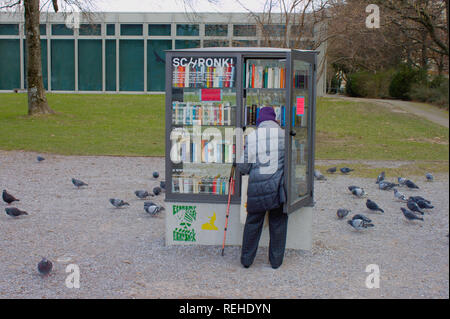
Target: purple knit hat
(266,114)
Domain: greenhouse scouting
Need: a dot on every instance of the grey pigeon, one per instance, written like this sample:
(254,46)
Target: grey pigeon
(14,212)
(359,192)
(361,216)
(410,184)
(399,195)
(8,198)
(429,177)
(318,175)
(373,206)
(359,224)
(332,170)
(346,170)
(417,198)
(380,177)
(142,194)
(157,190)
(412,205)
(423,204)
(342,212)
(153,209)
(78,183)
(410,215)
(386,186)
(155,174)
(44,266)
(352,187)
(118,203)
(149,203)
(401,180)
(40,158)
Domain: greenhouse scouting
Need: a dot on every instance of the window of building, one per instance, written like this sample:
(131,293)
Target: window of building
(220,30)
(159,29)
(244,30)
(187,29)
(9,29)
(61,29)
(274,30)
(187,44)
(245,43)
(131,29)
(90,29)
(215,43)
(110,29)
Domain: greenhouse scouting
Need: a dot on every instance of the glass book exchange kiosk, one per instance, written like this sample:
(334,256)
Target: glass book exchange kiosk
(211,93)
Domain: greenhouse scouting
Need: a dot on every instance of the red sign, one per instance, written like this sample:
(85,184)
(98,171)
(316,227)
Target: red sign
(211,95)
(300,105)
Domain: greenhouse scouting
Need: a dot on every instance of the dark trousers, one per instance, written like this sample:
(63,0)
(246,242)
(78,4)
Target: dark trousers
(252,233)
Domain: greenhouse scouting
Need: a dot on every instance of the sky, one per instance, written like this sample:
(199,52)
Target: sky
(177,5)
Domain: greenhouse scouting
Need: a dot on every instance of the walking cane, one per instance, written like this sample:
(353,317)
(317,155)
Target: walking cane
(230,189)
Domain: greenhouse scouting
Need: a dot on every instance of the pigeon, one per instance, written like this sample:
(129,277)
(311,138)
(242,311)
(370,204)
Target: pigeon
(414,207)
(359,224)
(361,216)
(318,175)
(401,180)
(386,186)
(373,206)
(153,209)
(359,192)
(423,204)
(8,198)
(346,170)
(40,158)
(380,177)
(142,194)
(157,190)
(410,215)
(418,198)
(118,203)
(14,212)
(332,170)
(149,203)
(342,212)
(78,183)
(429,177)
(352,187)
(155,174)
(399,195)
(410,184)
(162,184)
(44,266)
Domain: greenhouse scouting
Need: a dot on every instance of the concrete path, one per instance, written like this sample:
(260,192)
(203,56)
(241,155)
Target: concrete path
(430,112)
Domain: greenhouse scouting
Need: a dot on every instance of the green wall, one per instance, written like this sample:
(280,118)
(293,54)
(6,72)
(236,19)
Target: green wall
(9,64)
(63,65)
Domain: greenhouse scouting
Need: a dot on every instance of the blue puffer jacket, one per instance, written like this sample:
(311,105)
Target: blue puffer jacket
(263,160)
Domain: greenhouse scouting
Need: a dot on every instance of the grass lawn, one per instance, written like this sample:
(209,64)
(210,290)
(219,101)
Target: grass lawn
(133,125)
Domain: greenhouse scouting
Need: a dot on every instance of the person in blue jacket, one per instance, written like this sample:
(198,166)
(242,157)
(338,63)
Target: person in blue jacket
(263,161)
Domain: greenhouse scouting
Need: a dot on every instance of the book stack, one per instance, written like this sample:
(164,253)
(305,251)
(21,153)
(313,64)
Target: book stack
(204,76)
(194,184)
(258,75)
(202,113)
(252,113)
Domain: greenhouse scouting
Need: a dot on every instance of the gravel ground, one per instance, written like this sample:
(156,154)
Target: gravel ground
(121,253)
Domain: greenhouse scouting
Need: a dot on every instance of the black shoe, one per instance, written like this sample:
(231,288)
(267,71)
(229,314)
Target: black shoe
(275,267)
(246,266)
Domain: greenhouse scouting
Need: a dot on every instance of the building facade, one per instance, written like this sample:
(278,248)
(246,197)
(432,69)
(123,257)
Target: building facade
(119,52)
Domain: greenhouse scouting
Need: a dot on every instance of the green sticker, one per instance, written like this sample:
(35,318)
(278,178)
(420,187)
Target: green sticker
(186,216)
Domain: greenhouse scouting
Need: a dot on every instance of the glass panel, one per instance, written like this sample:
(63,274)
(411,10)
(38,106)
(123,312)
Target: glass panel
(131,29)
(90,65)
(215,43)
(216,30)
(274,30)
(63,65)
(42,29)
(110,29)
(156,64)
(187,44)
(110,65)
(187,29)
(245,43)
(61,29)
(159,29)
(90,29)
(9,64)
(264,82)
(203,124)
(131,65)
(299,143)
(9,29)
(244,30)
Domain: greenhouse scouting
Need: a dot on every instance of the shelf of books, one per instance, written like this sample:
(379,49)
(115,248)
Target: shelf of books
(265,83)
(204,104)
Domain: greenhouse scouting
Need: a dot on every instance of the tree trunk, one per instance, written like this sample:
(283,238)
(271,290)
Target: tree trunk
(37,102)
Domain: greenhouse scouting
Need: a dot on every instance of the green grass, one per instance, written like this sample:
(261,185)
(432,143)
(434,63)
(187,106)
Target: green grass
(87,124)
(366,131)
(133,125)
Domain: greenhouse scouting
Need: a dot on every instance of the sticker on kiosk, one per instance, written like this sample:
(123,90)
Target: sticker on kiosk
(300,105)
(211,95)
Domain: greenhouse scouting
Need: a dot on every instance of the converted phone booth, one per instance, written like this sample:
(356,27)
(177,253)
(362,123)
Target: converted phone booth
(212,93)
